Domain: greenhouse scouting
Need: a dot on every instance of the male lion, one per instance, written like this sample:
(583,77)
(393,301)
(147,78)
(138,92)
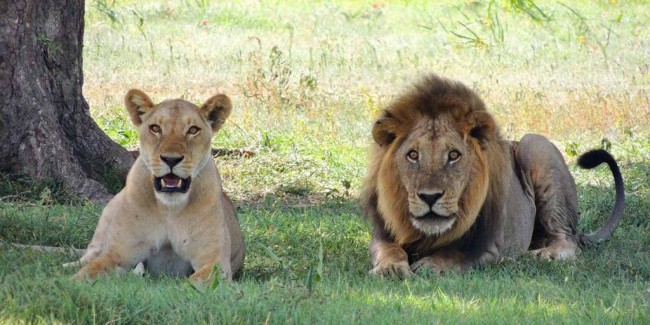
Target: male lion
(172,215)
(445,191)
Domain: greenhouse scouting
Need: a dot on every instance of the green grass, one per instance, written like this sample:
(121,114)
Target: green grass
(306,85)
(607,284)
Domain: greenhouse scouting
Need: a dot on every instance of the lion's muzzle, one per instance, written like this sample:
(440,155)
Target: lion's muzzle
(430,199)
(433,216)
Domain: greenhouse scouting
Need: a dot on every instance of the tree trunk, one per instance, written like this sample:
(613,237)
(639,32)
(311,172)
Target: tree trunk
(46,131)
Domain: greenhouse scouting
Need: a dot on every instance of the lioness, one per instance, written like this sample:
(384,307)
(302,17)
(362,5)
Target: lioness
(445,190)
(172,215)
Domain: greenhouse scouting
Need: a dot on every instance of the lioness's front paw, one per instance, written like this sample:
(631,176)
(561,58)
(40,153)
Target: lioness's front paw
(396,270)
(83,275)
(79,277)
(207,274)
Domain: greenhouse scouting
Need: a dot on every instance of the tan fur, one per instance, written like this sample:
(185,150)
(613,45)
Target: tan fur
(440,261)
(173,232)
(475,192)
(445,191)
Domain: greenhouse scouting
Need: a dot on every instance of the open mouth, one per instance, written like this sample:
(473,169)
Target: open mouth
(171,183)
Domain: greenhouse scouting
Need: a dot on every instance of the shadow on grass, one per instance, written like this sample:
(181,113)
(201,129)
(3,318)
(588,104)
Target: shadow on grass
(285,234)
(286,237)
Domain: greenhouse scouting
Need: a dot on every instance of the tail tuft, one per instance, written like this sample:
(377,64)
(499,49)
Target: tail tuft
(589,160)
(593,158)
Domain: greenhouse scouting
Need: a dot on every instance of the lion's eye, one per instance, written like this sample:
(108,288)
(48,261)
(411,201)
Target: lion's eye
(154,128)
(193,130)
(453,156)
(412,156)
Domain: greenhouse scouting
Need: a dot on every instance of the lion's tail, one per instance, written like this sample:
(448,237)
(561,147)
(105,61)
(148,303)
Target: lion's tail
(592,159)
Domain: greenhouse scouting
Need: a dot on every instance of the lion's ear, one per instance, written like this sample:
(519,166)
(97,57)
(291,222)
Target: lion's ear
(137,103)
(216,110)
(385,129)
(481,126)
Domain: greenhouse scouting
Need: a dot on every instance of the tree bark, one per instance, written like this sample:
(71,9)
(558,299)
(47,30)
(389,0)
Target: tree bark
(46,131)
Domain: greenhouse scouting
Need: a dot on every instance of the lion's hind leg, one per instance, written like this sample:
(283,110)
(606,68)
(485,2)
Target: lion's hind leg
(543,168)
(555,235)
(560,249)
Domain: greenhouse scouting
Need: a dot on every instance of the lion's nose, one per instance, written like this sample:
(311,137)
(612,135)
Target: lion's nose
(430,199)
(171,161)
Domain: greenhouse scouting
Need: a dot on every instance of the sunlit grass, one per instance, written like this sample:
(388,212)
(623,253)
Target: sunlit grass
(311,79)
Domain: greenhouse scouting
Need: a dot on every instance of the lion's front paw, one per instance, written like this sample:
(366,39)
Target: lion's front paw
(437,264)
(427,264)
(394,270)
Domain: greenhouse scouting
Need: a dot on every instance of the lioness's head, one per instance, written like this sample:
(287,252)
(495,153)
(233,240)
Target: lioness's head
(175,138)
(431,164)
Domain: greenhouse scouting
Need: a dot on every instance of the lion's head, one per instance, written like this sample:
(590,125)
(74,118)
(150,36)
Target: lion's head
(175,138)
(436,150)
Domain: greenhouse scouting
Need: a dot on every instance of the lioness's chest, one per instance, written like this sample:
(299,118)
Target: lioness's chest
(168,250)
(166,230)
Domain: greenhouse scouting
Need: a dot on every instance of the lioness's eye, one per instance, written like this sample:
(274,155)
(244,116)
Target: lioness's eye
(193,130)
(453,155)
(412,156)
(154,128)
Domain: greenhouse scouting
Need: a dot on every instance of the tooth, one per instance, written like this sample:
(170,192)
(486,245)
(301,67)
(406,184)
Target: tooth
(180,183)
(163,183)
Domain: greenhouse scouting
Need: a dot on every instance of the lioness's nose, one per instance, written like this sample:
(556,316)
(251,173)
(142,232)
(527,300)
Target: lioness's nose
(430,199)
(171,161)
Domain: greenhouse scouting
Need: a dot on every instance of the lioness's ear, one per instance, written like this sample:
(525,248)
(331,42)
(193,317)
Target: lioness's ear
(481,126)
(137,103)
(216,110)
(384,130)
